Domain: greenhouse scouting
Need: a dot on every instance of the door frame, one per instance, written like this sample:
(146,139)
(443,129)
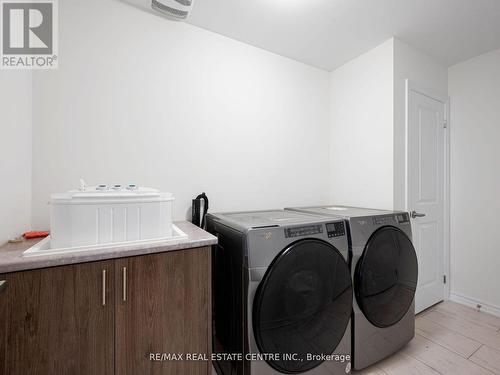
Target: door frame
(445,100)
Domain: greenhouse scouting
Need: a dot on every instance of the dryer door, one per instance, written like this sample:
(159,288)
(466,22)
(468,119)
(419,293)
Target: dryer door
(302,305)
(386,277)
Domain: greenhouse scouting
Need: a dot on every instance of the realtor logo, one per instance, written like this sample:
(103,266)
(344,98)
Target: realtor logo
(29,34)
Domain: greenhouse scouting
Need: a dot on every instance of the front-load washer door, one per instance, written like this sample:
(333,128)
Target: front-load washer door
(385,277)
(302,306)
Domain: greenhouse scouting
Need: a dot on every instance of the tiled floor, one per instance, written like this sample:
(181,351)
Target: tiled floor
(451,339)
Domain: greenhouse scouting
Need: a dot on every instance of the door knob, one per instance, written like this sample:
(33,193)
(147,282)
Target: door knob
(415,214)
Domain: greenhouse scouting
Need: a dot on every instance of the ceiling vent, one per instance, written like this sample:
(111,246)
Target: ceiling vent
(173,9)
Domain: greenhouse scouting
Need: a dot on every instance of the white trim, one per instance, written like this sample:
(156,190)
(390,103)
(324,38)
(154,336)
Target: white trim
(412,86)
(408,86)
(425,91)
(471,302)
(447,194)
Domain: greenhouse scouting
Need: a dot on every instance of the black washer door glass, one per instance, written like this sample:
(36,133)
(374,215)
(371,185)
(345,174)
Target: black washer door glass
(386,277)
(302,305)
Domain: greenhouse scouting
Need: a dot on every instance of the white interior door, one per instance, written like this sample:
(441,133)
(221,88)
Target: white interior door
(426,181)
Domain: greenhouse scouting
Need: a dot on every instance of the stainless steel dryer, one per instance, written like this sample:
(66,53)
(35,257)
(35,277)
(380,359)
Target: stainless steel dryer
(384,272)
(282,294)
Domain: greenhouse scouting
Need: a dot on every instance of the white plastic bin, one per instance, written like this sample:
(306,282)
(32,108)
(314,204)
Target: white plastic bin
(101,215)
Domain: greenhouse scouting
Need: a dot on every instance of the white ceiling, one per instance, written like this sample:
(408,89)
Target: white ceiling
(328,33)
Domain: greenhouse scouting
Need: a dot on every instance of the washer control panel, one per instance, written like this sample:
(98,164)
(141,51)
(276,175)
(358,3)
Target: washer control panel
(307,230)
(336,229)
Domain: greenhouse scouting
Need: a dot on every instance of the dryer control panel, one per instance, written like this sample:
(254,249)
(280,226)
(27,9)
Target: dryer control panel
(399,218)
(335,229)
(384,220)
(403,217)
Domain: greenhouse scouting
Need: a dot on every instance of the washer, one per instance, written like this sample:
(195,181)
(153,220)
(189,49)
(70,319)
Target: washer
(384,272)
(282,287)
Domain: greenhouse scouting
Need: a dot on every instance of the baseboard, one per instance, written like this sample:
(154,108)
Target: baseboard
(471,302)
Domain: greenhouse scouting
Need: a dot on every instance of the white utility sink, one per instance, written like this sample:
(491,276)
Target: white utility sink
(43,247)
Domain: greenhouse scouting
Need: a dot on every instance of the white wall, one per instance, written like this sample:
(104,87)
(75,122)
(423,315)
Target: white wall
(15,153)
(428,74)
(474,88)
(138,98)
(368,123)
(361,134)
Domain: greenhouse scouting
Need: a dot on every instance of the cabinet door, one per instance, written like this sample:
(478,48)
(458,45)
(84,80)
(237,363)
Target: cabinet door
(163,307)
(56,321)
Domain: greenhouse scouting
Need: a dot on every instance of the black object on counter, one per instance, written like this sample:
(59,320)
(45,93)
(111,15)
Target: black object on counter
(199,210)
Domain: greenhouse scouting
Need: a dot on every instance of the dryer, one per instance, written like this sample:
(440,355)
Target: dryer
(384,272)
(282,294)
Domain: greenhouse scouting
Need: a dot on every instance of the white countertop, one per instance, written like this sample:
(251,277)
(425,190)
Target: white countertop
(12,259)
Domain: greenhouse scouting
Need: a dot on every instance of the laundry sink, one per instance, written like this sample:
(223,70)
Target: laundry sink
(44,246)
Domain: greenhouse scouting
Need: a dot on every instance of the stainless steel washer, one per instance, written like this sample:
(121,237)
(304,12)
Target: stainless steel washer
(282,287)
(384,272)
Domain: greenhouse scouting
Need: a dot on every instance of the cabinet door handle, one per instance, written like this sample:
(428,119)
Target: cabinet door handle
(124,272)
(104,287)
(3,285)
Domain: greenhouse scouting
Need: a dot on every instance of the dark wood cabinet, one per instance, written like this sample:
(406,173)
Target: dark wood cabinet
(163,308)
(107,318)
(58,321)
